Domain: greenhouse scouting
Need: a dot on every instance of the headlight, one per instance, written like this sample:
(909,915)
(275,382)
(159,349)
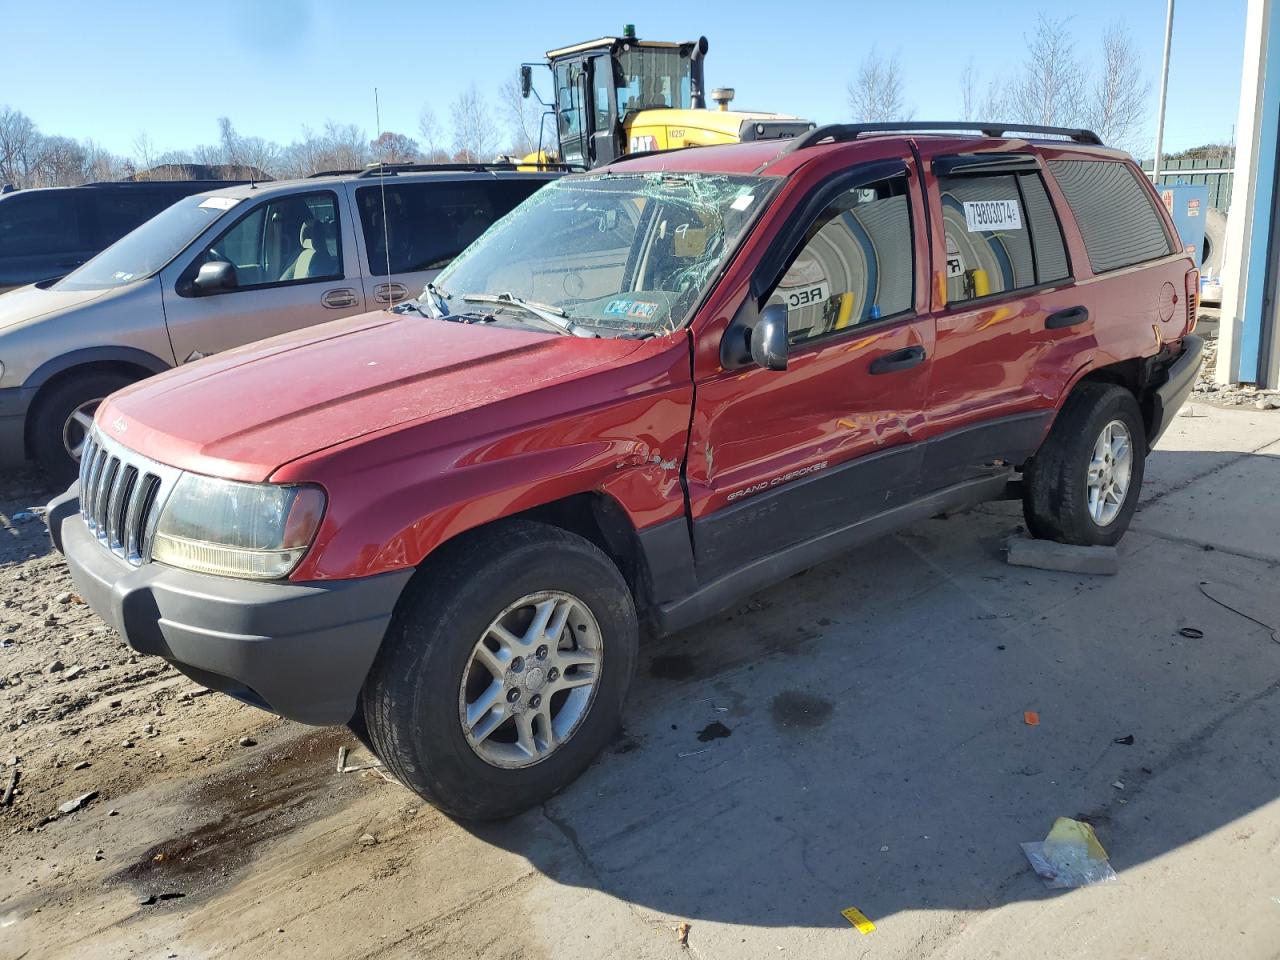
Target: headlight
(255,530)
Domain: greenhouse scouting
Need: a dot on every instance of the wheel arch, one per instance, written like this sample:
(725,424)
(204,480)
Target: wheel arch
(594,515)
(1140,376)
(128,361)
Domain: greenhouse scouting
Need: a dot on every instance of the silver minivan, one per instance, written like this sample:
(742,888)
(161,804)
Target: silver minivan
(225,268)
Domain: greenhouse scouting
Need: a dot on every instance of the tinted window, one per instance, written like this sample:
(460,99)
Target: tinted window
(1046,232)
(1117,218)
(290,239)
(39,223)
(428,224)
(119,211)
(855,265)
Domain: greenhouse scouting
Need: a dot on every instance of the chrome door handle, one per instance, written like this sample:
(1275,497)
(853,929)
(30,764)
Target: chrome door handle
(390,292)
(342,297)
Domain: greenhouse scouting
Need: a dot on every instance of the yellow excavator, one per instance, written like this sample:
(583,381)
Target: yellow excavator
(620,95)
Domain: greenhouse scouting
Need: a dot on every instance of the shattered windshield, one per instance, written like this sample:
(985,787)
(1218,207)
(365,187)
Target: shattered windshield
(617,254)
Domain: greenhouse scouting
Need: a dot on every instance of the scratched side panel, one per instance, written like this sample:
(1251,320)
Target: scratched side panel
(395,496)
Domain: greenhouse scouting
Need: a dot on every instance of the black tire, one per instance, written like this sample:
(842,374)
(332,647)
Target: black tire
(1055,481)
(54,409)
(410,701)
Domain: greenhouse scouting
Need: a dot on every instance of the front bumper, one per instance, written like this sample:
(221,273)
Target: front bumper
(300,650)
(1178,385)
(14,402)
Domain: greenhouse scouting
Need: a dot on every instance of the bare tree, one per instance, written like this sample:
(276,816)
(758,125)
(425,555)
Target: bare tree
(433,149)
(475,139)
(1115,107)
(19,145)
(523,116)
(390,147)
(969,91)
(876,95)
(1049,87)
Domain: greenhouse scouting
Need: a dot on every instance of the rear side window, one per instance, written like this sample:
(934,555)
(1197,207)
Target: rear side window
(40,223)
(855,265)
(428,224)
(1001,234)
(1117,218)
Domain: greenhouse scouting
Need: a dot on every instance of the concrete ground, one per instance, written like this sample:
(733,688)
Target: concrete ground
(876,757)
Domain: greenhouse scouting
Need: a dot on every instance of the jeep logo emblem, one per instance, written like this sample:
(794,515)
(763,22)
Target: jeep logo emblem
(119,425)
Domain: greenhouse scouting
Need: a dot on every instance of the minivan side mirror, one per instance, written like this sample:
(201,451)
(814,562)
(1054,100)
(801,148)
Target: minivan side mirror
(217,276)
(526,80)
(769,338)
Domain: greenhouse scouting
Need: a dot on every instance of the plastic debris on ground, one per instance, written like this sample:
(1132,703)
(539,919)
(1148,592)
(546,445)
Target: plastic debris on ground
(1070,856)
(860,921)
(1031,718)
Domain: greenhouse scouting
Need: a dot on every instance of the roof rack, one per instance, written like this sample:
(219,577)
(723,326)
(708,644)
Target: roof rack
(392,169)
(841,132)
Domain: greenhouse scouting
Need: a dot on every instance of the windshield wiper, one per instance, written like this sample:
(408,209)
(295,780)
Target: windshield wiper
(549,314)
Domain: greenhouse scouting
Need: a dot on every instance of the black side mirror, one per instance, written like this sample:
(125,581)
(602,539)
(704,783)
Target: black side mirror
(526,80)
(769,338)
(756,336)
(217,276)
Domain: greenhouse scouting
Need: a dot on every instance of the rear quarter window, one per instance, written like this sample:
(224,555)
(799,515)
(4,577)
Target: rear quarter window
(1116,215)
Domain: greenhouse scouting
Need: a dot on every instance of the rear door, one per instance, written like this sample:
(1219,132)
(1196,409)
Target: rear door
(780,457)
(411,229)
(1011,329)
(295,263)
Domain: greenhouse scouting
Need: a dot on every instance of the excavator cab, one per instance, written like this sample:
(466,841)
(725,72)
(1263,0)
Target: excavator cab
(620,95)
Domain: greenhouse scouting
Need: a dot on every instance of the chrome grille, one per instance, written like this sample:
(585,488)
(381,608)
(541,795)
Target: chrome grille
(121,494)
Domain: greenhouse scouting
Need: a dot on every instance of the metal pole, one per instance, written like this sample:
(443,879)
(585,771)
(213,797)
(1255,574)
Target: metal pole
(1164,91)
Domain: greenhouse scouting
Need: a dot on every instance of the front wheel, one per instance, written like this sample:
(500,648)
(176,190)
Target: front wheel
(1082,486)
(63,417)
(504,671)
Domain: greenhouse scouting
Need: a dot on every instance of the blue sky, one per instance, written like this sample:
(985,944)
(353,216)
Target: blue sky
(108,71)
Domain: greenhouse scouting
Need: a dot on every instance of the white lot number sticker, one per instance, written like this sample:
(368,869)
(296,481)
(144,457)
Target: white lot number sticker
(980,215)
(219,203)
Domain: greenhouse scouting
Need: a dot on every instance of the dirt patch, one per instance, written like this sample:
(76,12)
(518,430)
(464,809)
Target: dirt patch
(676,666)
(715,730)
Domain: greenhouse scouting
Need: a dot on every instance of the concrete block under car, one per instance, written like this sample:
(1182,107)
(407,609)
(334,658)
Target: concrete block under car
(1050,555)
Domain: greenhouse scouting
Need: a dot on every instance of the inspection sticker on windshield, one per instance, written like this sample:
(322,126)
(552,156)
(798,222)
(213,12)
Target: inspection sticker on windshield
(219,203)
(641,309)
(742,202)
(980,215)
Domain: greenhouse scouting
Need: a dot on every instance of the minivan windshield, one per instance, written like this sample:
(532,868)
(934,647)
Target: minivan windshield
(615,254)
(145,250)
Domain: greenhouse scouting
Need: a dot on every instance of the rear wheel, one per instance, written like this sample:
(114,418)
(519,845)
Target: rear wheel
(62,418)
(504,671)
(1082,486)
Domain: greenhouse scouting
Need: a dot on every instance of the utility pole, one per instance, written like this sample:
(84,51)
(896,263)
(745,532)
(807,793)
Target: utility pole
(1164,92)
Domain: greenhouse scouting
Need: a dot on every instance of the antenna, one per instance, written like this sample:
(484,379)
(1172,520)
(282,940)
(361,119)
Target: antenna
(382,186)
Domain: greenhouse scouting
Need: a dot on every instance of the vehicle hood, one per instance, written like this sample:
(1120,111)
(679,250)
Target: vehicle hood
(25,304)
(245,413)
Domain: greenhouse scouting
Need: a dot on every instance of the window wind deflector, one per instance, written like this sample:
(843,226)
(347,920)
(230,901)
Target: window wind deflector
(962,164)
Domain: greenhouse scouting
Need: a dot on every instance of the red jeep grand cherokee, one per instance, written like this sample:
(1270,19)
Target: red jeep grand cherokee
(648,391)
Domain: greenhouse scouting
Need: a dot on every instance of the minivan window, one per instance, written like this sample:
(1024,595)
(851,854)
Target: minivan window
(39,223)
(119,211)
(288,239)
(856,264)
(1001,235)
(428,224)
(1116,214)
(618,253)
(145,250)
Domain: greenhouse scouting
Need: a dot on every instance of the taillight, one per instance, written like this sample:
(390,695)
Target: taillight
(1193,298)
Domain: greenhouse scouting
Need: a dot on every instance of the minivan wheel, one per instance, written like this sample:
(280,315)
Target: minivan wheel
(504,670)
(63,417)
(1082,486)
